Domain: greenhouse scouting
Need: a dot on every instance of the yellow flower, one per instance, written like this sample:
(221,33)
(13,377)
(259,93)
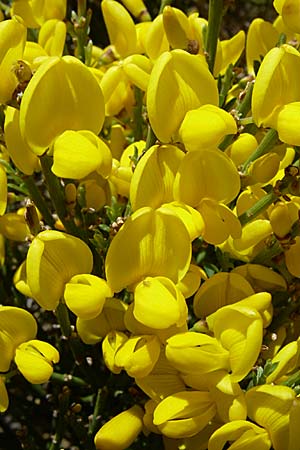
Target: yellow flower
(35,360)
(85,295)
(153,179)
(13,38)
(205,127)
(178,82)
(146,245)
(52,36)
(219,290)
(288,359)
(239,329)
(270,406)
(120,432)
(292,258)
(184,414)
(3,190)
(120,27)
(3,396)
(138,355)
(290,12)
(262,36)
(111,318)
(137,8)
(117,90)
(71,100)
(53,259)
(275,84)
(16,326)
(112,342)
(198,353)
(261,278)
(36,12)
(158,303)
(246,436)
(19,151)
(76,154)
(206,174)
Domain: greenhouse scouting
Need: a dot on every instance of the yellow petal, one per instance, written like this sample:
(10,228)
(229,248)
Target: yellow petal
(138,355)
(206,174)
(44,10)
(191,218)
(158,304)
(156,41)
(16,326)
(196,353)
(292,258)
(3,190)
(220,290)
(35,360)
(138,69)
(153,178)
(219,222)
(13,38)
(120,432)
(272,89)
(65,84)
(146,245)
(52,36)
(111,318)
(112,342)
(184,414)
(246,435)
(120,27)
(290,12)
(14,227)
(19,151)
(52,259)
(205,127)
(179,82)
(269,406)
(85,295)
(261,37)
(76,154)
(3,396)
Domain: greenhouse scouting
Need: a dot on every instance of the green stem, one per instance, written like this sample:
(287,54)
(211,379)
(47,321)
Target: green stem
(269,140)
(62,314)
(164,3)
(242,110)
(95,418)
(81,8)
(151,138)
(226,85)
(39,200)
(66,378)
(64,400)
(246,121)
(57,196)
(215,14)
(268,253)
(137,114)
(258,208)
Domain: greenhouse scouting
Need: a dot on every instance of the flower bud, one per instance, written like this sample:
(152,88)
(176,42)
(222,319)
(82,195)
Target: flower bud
(120,432)
(35,360)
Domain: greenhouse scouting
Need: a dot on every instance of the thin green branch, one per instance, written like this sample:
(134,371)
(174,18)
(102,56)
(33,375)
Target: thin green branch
(39,200)
(57,196)
(215,13)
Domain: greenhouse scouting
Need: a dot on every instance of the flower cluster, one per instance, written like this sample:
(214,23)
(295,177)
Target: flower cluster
(150,193)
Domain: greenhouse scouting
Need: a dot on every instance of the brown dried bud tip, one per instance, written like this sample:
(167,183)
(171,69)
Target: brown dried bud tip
(291,171)
(193,46)
(32,219)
